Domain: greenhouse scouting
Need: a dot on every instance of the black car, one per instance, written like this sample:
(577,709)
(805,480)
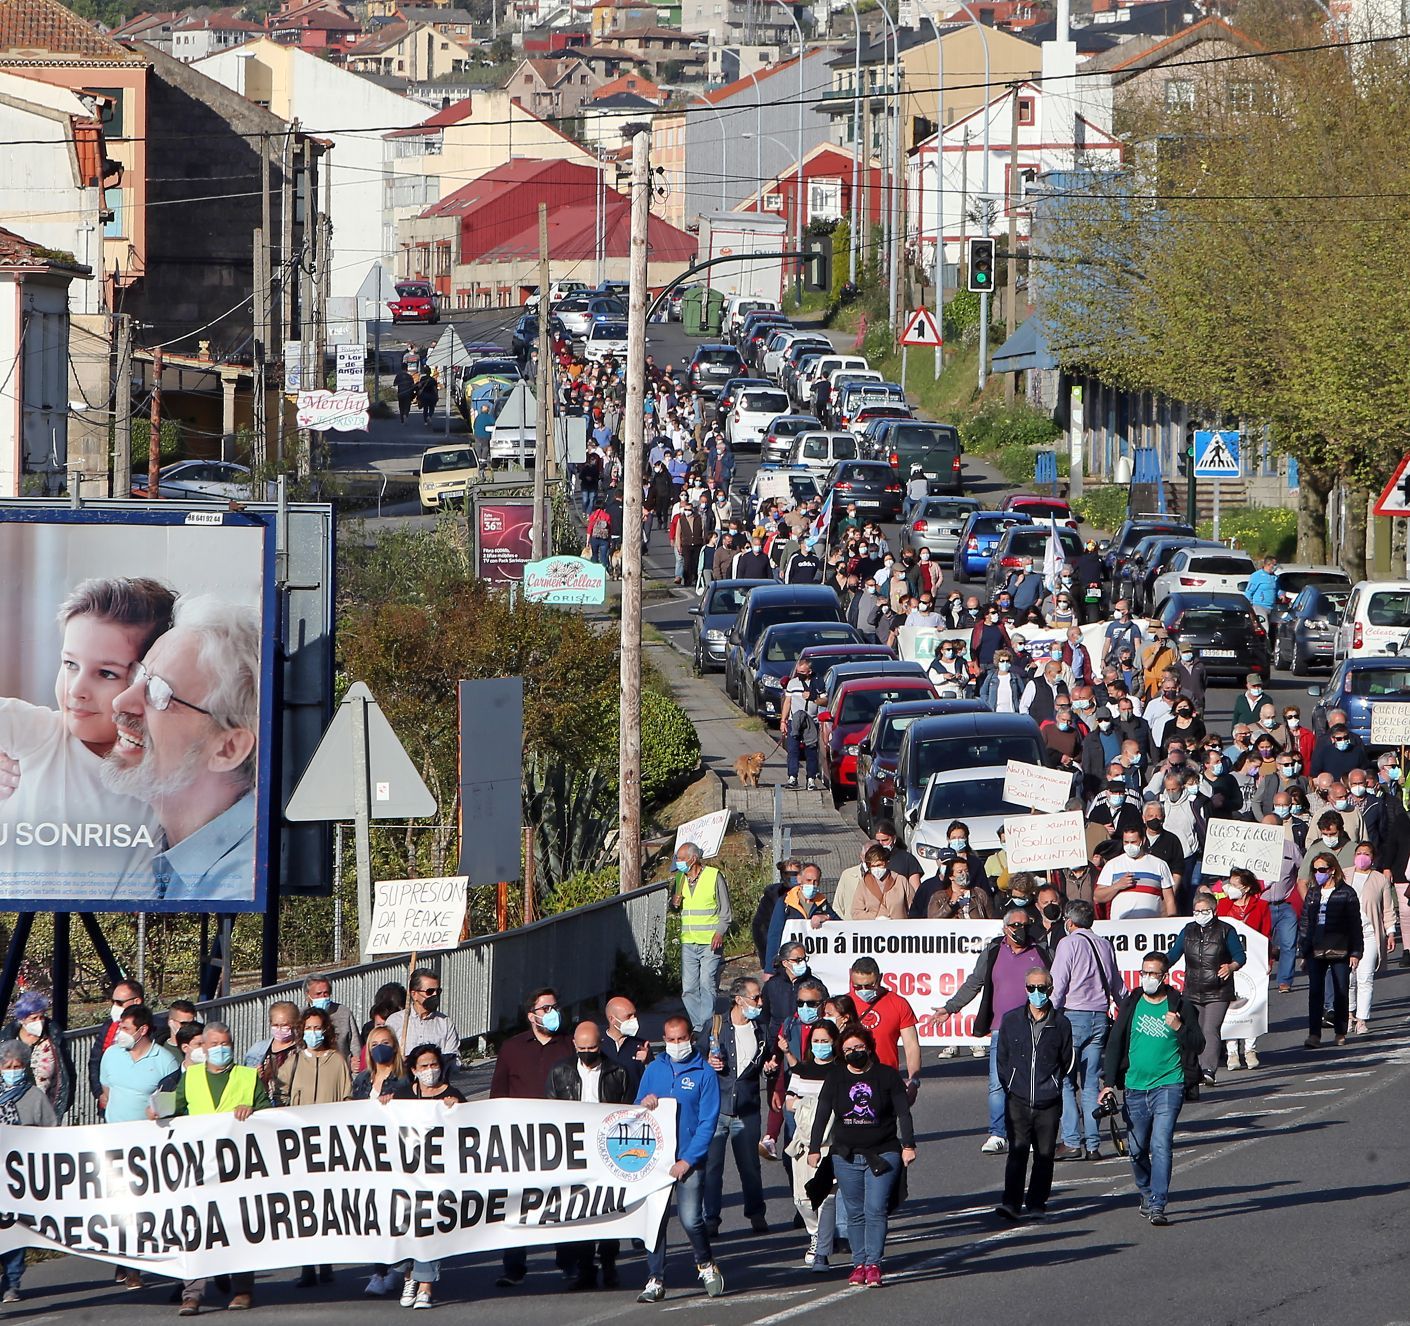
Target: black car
(1305,633)
(714,615)
(878,750)
(526,334)
(769,664)
(1222,629)
(1131,532)
(764,607)
(712,367)
(872,484)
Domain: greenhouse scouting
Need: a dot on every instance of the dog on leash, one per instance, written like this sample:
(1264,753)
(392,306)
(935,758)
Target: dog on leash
(616,560)
(747,768)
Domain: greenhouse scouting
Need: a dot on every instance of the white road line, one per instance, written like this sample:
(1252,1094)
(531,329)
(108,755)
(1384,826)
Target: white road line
(1326,1091)
(761,1296)
(1338,1077)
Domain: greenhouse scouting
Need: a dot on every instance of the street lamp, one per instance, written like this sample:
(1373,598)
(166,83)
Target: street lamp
(939,191)
(893,111)
(856,139)
(983,299)
(798,187)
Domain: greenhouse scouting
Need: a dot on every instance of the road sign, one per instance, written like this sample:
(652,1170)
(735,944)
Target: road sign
(1395,497)
(1217,454)
(922,329)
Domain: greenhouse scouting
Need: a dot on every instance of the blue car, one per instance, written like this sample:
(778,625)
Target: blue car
(1355,686)
(978,538)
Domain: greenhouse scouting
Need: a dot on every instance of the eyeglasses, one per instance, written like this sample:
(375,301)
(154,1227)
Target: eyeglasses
(426,994)
(545,1008)
(1034,989)
(158,691)
(813,1003)
(855,986)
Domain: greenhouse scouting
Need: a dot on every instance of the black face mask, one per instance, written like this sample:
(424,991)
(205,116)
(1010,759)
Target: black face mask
(431,1003)
(1018,933)
(589,1058)
(858,1058)
(1052,911)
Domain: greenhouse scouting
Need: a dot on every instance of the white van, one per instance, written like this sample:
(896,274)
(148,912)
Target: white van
(735,309)
(817,452)
(1376,620)
(826,366)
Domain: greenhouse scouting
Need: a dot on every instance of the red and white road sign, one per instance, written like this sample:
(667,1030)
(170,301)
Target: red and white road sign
(922,329)
(1395,497)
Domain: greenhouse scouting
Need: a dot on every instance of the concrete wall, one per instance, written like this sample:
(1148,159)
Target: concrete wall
(34,339)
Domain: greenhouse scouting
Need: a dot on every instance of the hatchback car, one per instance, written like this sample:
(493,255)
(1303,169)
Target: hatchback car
(415,302)
(198,478)
(605,340)
(936,524)
(724,402)
(1131,531)
(978,538)
(714,615)
(818,451)
(1225,571)
(754,410)
(1294,578)
(778,441)
(766,606)
(1305,632)
(1223,630)
(852,707)
(1147,562)
(769,664)
(975,796)
(446,472)
(712,366)
(1356,684)
(872,484)
(1023,541)
(878,749)
(1040,507)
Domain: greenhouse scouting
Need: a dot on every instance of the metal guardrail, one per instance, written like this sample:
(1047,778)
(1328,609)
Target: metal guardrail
(483,981)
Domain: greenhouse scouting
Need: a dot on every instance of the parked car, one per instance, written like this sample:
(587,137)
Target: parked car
(1027,540)
(714,615)
(758,333)
(826,366)
(867,414)
(974,795)
(765,606)
(850,399)
(879,748)
(826,658)
(737,308)
(1131,531)
(1223,630)
(1147,562)
(675,305)
(573,314)
(754,410)
(851,709)
(978,538)
(936,448)
(1356,684)
(769,664)
(1305,632)
(937,523)
(1376,619)
(872,484)
(712,366)
(1222,571)
(445,472)
(796,483)
(724,402)
(222,479)
(791,345)
(754,321)
(778,440)
(415,302)
(605,340)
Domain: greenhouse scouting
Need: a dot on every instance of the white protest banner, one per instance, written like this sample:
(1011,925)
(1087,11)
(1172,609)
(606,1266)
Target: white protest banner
(340,410)
(351,359)
(926,962)
(1032,785)
(1390,724)
(1240,845)
(351,1183)
(417,915)
(707,832)
(1045,842)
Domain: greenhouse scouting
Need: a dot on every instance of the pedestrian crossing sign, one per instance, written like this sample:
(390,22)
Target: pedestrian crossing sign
(1217,454)
(922,329)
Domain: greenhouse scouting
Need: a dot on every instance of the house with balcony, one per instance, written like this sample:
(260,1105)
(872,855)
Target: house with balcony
(552,89)
(417,52)
(203,35)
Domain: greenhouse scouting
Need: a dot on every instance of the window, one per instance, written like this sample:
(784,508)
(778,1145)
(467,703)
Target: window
(1179,94)
(1025,110)
(824,200)
(113,202)
(773,202)
(1241,95)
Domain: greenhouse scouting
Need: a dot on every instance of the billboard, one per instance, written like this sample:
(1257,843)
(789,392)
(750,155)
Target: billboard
(491,775)
(504,539)
(136,709)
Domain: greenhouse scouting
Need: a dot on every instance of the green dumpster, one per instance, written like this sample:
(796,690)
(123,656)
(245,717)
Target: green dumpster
(714,312)
(692,314)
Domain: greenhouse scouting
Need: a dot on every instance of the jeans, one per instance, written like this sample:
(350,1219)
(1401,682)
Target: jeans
(997,1126)
(811,753)
(11,1268)
(742,1134)
(1080,1087)
(868,1195)
(690,1210)
(700,979)
(589,497)
(423,1273)
(1031,1129)
(602,553)
(1211,1019)
(1285,936)
(1150,1120)
(1318,970)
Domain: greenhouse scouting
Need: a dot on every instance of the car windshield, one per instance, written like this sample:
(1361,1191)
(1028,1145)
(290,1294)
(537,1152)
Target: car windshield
(1221,566)
(983,796)
(610,331)
(791,427)
(1213,619)
(461,458)
(1389,608)
(763,402)
(941,754)
(1378,681)
(860,706)
(414,291)
(785,646)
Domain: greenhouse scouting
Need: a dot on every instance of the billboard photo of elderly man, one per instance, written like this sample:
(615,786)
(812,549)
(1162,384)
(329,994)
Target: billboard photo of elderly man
(130,720)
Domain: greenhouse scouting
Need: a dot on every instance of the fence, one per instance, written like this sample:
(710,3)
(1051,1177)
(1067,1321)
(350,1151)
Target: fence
(483,982)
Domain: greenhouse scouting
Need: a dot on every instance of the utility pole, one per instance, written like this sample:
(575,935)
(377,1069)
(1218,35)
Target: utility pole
(1011,266)
(154,446)
(629,740)
(541,439)
(865,146)
(308,257)
(286,275)
(264,312)
(122,410)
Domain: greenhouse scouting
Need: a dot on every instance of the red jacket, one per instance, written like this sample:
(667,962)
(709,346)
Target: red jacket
(1257,914)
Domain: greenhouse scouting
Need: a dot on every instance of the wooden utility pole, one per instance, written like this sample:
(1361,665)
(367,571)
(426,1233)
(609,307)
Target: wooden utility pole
(259,348)
(154,446)
(286,276)
(1011,263)
(542,442)
(629,743)
(864,146)
(122,410)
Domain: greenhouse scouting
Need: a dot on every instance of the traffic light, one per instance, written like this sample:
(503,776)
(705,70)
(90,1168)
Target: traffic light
(981,266)
(818,263)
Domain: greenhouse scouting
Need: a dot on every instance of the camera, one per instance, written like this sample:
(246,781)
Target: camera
(1107,1108)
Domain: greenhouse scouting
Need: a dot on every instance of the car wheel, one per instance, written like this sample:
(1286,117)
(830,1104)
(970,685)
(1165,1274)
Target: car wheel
(750,704)
(1278,650)
(1298,667)
(960,577)
(698,662)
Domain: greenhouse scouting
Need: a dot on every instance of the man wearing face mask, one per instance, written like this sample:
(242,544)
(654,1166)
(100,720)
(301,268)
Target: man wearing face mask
(998,978)
(751,563)
(1213,952)
(318,993)
(1161,843)
(1334,841)
(1190,676)
(424,1023)
(988,636)
(1288,775)
(737,1047)
(781,990)
(1100,748)
(890,1019)
(1121,633)
(1117,811)
(1250,700)
(123,995)
(1135,884)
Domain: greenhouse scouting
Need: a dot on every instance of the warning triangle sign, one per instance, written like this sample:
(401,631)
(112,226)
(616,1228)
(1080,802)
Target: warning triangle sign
(922,329)
(1395,498)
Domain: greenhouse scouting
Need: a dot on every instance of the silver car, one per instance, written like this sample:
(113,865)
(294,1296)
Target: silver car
(936,523)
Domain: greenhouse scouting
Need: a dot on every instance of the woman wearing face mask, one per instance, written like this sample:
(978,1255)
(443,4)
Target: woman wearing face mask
(881,894)
(864,1106)
(1213,952)
(21,1102)
(1185,726)
(270,1055)
(1378,916)
(956,897)
(1243,901)
(1287,775)
(386,1071)
(1329,942)
(821,1057)
(50,1063)
(1002,686)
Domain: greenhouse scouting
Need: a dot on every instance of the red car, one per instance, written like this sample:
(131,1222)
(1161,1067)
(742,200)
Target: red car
(415,302)
(854,706)
(1040,508)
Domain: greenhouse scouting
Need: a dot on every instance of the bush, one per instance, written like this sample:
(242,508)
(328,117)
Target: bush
(581,889)
(670,747)
(996,427)
(1261,531)
(1104,507)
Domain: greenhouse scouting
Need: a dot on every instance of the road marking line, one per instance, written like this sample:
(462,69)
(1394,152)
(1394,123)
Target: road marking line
(1339,1077)
(760,1296)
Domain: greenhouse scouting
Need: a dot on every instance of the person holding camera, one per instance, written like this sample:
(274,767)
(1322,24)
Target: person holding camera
(798,720)
(1152,1055)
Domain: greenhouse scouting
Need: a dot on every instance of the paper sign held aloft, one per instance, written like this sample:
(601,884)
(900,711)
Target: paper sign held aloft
(707,832)
(1032,785)
(1045,842)
(1390,724)
(417,915)
(1239,845)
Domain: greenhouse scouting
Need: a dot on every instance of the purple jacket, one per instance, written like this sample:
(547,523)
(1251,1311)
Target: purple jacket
(1077,977)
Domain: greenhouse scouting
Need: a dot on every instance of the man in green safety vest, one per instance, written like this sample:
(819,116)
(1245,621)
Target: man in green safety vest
(701,894)
(218,1086)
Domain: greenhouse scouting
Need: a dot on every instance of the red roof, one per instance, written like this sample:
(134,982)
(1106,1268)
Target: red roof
(443,118)
(725,93)
(45,29)
(572,236)
(634,83)
(520,170)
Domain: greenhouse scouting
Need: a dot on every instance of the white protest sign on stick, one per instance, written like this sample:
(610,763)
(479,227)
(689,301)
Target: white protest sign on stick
(1390,724)
(1240,845)
(417,915)
(707,832)
(1032,785)
(1045,842)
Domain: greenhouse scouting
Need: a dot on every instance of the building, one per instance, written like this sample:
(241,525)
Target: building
(827,190)
(738,22)
(609,16)
(449,22)
(637,85)
(552,89)
(608,122)
(480,249)
(34,344)
(415,51)
(319,27)
(668,139)
(221,30)
(154,29)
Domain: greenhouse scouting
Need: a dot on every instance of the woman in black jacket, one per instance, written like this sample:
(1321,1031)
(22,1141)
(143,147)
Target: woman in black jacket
(1213,952)
(864,1103)
(1330,942)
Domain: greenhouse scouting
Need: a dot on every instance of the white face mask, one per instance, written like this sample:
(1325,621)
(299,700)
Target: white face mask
(197,1056)
(124,1040)
(115,1013)
(1233,892)
(1131,849)
(678,1051)
(878,872)
(1204,918)
(1149,984)
(428,1077)
(629,1026)
(35,1026)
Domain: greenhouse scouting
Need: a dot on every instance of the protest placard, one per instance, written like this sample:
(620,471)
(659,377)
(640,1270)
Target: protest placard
(1045,842)
(417,915)
(354,1183)
(707,832)
(1239,844)
(1390,723)
(1032,785)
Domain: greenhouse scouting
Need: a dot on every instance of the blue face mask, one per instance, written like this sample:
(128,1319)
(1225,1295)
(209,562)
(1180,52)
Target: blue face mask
(679,867)
(806,1014)
(313,1038)
(220,1056)
(822,1051)
(958,844)
(1038,998)
(753,1012)
(12,1077)
(552,1020)
(798,968)
(324,1004)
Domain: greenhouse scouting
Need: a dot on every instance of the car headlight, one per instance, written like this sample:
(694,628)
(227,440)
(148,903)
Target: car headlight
(770,683)
(714,636)
(928,853)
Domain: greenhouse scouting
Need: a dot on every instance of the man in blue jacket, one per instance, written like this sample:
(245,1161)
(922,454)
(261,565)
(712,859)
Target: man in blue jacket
(683,1075)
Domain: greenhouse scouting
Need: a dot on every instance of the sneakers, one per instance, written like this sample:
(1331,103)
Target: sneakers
(949,1051)
(711,1278)
(382,1284)
(811,1255)
(1232,1062)
(1158,1218)
(654,1292)
(132,1279)
(791,783)
(979,1051)
(768,1148)
(1359,1028)
(858,1278)
(812,784)
(1250,1058)
(408,1293)
(995,1146)
(423,1299)
(873,1276)
(1146,1207)
(190,1307)
(1006,1212)
(11,1295)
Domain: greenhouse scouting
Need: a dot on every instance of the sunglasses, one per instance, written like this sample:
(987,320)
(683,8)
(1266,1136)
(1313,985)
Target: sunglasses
(813,1003)
(1034,989)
